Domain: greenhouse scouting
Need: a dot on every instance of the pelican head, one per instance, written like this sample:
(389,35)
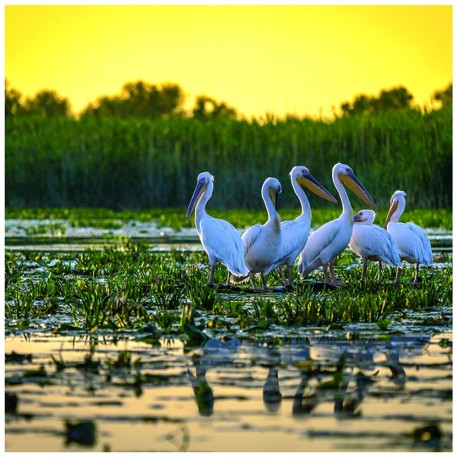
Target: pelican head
(303,176)
(364,217)
(398,199)
(203,180)
(273,187)
(348,178)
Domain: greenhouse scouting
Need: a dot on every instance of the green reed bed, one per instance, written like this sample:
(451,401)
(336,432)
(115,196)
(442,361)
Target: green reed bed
(131,289)
(141,163)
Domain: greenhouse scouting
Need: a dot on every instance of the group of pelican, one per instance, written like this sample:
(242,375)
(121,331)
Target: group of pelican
(263,248)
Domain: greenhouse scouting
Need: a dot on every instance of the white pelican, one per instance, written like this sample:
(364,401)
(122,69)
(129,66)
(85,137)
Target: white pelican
(413,243)
(262,242)
(371,242)
(329,240)
(221,241)
(295,232)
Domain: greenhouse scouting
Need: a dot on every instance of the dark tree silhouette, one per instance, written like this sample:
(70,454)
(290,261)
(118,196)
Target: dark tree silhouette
(13,104)
(207,108)
(140,99)
(47,104)
(444,97)
(398,98)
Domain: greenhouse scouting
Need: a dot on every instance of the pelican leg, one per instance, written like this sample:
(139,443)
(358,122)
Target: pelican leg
(416,273)
(325,271)
(398,276)
(253,280)
(264,284)
(282,273)
(228,281)
(333,275)
(212,271)
(363,274)
(290,277)
(379,279)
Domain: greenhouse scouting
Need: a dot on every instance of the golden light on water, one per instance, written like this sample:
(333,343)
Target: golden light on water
(282,59)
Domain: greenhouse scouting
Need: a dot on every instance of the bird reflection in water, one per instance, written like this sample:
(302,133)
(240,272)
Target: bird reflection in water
(345,382)
(271,394)
(202,391)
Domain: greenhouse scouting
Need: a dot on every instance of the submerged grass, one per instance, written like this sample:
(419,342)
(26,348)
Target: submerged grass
(130,288)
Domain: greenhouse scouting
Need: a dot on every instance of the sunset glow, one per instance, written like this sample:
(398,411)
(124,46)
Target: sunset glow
(257,59)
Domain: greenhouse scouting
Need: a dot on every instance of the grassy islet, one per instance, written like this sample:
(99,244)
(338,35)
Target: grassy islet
(129,288)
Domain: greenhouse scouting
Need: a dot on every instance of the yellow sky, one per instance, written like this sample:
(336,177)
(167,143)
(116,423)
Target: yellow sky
(279,59)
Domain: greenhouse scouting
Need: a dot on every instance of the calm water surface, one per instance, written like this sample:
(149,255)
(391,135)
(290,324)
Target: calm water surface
(316,391)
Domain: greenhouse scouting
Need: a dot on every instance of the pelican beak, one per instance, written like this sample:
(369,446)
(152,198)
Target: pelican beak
(354,184)
(311,183)
(393,208)
(200,188)
(274,195)
(276,198)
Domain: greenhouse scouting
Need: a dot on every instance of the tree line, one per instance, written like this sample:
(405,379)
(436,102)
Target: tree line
(145,100)
(137,99)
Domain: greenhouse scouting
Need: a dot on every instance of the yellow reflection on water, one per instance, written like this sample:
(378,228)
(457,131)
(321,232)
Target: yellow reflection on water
(165,417)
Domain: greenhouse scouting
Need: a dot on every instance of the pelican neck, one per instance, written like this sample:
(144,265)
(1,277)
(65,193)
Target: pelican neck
(398,212)
(346,204)
(270,207)
(302,196)
(204,198)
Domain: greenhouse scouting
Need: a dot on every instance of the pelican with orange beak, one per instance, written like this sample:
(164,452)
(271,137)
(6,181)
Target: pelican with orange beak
(413,243)
(296,232)
(221,241)
(329,240)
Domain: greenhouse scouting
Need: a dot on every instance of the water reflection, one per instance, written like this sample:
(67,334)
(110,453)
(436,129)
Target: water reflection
(329,370)
(308,393)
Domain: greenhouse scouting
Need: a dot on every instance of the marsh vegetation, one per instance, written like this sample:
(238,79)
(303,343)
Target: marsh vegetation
(124,341)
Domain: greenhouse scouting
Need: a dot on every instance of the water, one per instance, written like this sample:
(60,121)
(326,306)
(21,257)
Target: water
(355,388)
(59,235)
(315,391)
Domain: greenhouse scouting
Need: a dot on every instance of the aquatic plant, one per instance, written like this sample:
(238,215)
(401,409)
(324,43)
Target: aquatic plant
(130,287)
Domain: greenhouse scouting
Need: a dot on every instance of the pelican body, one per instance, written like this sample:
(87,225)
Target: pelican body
(295,232)
(373,243)
(413,243)
(262,242)
(221,241)
(329,240)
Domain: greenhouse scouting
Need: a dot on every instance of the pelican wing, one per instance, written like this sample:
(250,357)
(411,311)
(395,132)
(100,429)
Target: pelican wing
(222,241)
(294,238)
(412,241)
(287,224)
(373,242)
(319,241)
(422,248)
(250,236)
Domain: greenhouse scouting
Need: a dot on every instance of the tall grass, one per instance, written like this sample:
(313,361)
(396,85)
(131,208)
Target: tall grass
(137,163)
